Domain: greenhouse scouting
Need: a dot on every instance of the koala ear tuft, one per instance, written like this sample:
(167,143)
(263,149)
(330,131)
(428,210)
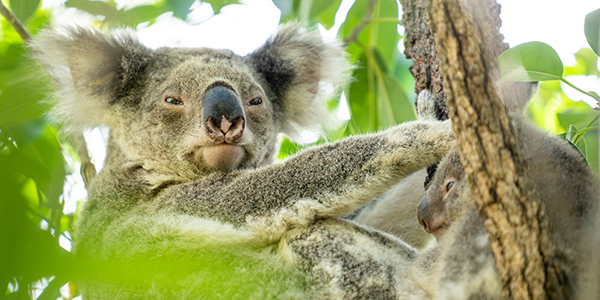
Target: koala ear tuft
(302,71)
(90,70)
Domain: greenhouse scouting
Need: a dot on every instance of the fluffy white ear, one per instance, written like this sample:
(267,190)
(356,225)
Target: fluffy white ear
(302,71)
(90,70)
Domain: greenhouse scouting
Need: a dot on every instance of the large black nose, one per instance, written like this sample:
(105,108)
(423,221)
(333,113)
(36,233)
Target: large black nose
(223,112)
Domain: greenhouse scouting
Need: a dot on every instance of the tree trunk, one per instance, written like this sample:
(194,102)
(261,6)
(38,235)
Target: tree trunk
(419,45)
(467,33)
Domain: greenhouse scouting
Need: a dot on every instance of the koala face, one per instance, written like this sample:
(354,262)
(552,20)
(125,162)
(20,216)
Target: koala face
(180,114)
(445,196)
(200,110)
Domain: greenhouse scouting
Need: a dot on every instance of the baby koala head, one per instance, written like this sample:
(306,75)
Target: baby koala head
(446,198)
(183,113)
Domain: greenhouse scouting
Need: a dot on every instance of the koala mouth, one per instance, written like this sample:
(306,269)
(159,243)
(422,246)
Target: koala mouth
(221,157)
(439,232)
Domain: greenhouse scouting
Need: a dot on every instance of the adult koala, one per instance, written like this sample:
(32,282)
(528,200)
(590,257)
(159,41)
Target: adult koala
(188,204)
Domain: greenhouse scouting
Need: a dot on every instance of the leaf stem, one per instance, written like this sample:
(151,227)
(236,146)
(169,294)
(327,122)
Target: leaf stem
(573,86)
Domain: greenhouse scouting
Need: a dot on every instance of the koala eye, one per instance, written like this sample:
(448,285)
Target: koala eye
(449,185)
(255,101)
(173,101)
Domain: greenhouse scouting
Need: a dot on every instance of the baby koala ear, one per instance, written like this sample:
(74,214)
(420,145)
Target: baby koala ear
(426,106)
(516,96)
(302,71)
(90,70)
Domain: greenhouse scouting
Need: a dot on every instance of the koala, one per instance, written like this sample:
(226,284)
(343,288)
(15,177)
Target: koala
(462,265)
(189,203)
(394,212)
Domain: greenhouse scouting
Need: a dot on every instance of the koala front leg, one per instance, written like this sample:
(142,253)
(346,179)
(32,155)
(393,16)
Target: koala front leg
(324,181)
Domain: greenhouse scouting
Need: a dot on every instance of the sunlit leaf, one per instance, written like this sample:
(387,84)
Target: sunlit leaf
(571,134)
(52,291)
(591,29)
(140,14)
(327,8)
(361,99)
(586,64)
(533,61)
(94,7)
(385,33)
(402,108)
(327,16)
(216,4)
(23,9)
(181,8)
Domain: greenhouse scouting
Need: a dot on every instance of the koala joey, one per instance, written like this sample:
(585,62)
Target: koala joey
(189,203)
(462,265)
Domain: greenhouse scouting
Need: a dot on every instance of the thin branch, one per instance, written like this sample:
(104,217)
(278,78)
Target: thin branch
(15,23)
(88,171)
(358,29)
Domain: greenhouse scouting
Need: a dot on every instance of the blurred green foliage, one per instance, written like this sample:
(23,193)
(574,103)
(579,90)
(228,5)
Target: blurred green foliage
(34,164)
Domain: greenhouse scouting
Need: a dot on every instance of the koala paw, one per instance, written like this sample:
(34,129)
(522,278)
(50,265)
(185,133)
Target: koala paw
(426,106)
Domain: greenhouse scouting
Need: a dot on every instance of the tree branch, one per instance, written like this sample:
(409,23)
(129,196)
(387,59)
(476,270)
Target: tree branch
(88,171)
(15,23)
(358,29)
(468,45)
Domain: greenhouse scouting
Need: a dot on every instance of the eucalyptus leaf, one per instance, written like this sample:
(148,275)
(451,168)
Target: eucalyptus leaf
(23,9)
(216,4)
(52,291)
(94,8)
(402,108)
(586,64)
(533,61)
(285,6)
(571,134)
(591,28)
(386,33)
(320,6)
(327,17)
(361,98)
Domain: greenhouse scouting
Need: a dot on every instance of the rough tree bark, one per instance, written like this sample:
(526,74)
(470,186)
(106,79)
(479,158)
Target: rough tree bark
(467,33)
(419,46)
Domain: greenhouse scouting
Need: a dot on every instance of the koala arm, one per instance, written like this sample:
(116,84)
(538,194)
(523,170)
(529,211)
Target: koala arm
(324,181)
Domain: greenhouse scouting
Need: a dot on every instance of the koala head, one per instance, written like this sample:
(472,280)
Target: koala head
(183,113)
(446,196)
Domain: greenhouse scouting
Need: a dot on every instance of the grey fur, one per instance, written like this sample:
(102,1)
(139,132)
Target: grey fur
(462,265)
(171,217)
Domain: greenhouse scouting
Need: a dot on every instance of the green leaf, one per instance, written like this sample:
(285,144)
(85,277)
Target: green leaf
(52,291)
(571,134)
(361,99)
(591,28)
(586,64)
(385,34)
(216,4)
(327,16)
(533,61)
(402,108)
(23,9)
(286,7)
(94,8)
(140,14)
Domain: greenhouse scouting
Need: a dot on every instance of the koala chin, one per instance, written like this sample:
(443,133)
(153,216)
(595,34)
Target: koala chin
(222,156)
(189,203)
